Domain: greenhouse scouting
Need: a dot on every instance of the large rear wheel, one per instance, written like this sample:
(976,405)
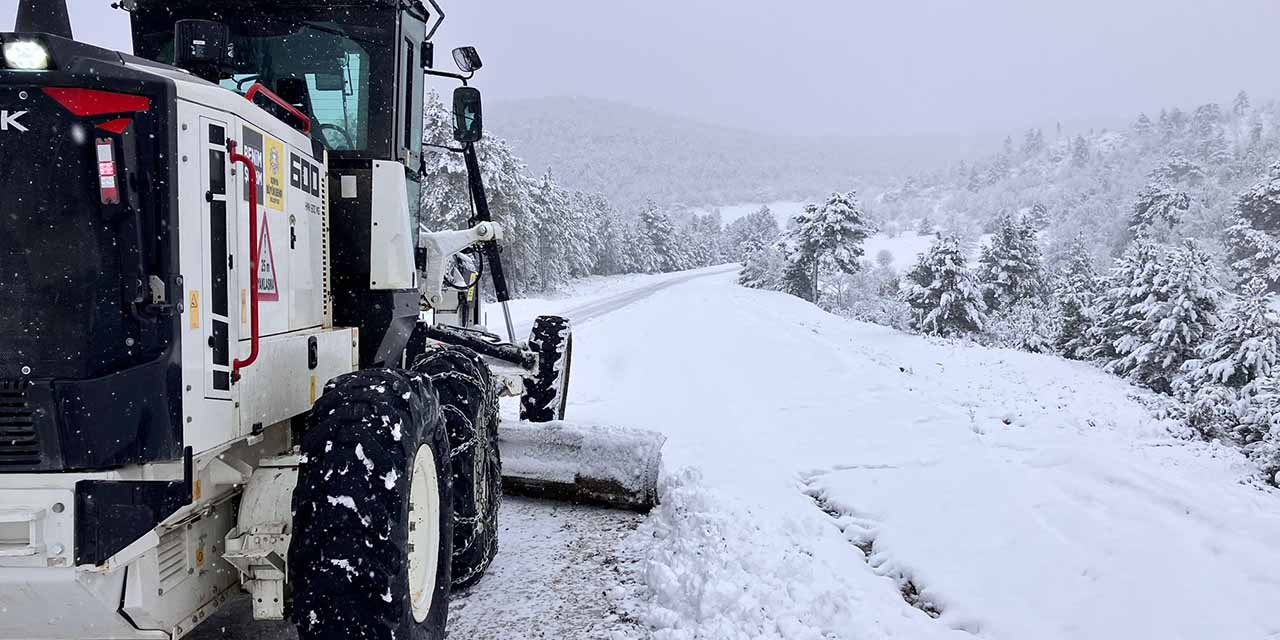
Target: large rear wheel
(372,539)
(469,404)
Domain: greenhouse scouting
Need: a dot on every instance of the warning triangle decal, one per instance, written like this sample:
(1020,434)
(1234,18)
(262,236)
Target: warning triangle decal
(268,284)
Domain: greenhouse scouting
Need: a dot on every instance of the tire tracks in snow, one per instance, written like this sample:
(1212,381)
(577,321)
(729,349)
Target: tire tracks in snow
(861,531)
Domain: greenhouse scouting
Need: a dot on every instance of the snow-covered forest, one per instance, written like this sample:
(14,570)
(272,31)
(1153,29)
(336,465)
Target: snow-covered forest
(552,233)
(1150,252)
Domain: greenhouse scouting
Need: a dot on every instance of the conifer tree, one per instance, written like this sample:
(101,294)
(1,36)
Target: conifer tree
(751,231)
(1010,267)
(761,266)
(797,271)
(1131,282)
(1079,152)
(944,295)
(1240,106)
(1158,203)
(1253,246)
(829,238)
(669,251)
(1143,126)
(1077,288)
(641,256)
(1244,347)
(1167,325)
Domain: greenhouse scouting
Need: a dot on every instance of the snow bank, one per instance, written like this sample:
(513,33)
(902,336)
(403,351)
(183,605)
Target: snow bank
(717,567)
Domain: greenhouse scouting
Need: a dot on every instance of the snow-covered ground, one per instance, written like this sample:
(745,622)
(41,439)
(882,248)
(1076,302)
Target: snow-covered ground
(818,469)
(828,479)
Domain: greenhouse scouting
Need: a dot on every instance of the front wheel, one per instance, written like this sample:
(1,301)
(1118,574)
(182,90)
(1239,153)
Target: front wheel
(546,392)
(372,539)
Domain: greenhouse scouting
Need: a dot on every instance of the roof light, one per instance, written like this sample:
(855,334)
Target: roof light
(26,55)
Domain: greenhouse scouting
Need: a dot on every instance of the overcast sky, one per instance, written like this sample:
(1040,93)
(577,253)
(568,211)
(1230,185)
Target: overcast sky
(854,66)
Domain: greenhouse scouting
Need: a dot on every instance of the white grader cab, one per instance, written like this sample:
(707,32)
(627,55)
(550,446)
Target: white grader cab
(231,358)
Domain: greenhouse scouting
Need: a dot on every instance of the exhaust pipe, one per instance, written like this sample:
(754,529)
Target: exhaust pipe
(44,16)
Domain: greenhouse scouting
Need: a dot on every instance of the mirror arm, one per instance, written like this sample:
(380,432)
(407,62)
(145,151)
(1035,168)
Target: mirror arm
(446,74)
(445,147)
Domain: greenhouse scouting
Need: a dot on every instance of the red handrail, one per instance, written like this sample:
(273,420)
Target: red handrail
(252,172)
(259,88)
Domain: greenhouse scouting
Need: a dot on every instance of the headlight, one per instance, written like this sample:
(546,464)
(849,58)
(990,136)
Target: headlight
(26,55)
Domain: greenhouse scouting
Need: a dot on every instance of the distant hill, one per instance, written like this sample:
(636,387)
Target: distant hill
(631,154)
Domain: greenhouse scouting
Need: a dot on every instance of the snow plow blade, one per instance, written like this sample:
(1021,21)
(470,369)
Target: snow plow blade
(602,466)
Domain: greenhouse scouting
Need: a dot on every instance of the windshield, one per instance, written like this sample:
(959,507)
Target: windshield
(329,66)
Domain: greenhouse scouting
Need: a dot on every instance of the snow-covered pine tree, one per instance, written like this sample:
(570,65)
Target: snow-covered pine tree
(1167,326)
(829,238)
(660,233)
(1177,170)
(610,249)
(640,255)
(1244,347)
(1032,143)
(1258,429)
(1143,127)
(1158,203)
(1078,286)
(1240,106)
(761,267)
(1210,137)
(944,295)
(1131,282)
(925,226)
(1253,246)
(1038,215)
(703,246)
(553,219)
(1080,152)
(1010,267)
(798,267)
(749,232)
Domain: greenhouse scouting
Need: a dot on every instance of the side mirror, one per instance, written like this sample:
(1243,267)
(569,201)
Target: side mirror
(468,124)
(467,59)
(203,47)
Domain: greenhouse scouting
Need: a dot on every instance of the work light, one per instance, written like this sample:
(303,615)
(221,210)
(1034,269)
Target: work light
(26,55)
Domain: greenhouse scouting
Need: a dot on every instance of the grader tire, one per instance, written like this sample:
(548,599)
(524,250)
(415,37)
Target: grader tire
(373,497)
(546,393)
(469,404)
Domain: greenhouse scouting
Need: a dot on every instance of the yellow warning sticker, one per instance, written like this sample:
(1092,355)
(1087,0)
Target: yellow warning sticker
(193,308)
(274,181)
(313,389)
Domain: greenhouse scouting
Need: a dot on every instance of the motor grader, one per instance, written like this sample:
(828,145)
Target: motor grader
(232,356)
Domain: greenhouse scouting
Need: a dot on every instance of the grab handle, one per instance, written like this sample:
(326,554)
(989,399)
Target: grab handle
(252,172)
